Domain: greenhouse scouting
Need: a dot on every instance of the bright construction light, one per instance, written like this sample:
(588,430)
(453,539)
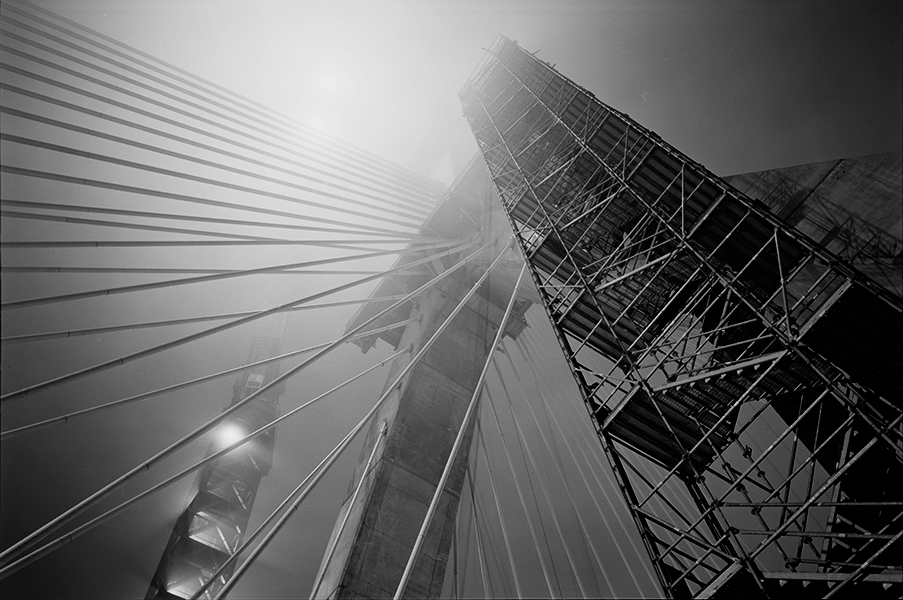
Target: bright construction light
(229,433)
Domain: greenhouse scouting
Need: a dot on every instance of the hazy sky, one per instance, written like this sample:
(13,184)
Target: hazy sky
(739,86)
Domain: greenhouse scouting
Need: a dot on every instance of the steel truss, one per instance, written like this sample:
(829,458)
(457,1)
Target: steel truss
(743,380)
(213,526)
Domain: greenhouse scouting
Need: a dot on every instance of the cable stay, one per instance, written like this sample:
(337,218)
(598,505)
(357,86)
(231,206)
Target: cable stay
(205,180)
(454,554)
(555,455)
(461,574)
(207,332)
(186,198)
(324,465)
(15,214)
(229,274)
(79,508)
(188,158)
(49,547)
(228,95)
(412,199)
(193,218)
(593,446)
(573,504)
(498,508)
(164,270)
(408,205)
(349,151)
(297,143)
(9,433)
(542,525)
(520,495)
(481,552)
(180,243)
(492,547)
(545,492)
(468,415)
(585,479)
(364,472)
(249,143)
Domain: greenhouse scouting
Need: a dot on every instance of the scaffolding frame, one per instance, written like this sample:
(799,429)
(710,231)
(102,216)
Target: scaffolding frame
(743,380)
(213,525)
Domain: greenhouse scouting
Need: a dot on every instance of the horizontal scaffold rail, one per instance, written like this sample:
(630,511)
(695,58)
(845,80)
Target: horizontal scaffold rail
(746,363)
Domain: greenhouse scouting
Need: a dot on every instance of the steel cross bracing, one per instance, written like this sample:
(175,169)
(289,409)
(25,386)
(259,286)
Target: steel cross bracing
(155,138)
(141,130)
(716,347)
(213,526)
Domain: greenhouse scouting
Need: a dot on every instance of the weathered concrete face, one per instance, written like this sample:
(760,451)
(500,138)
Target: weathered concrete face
(423,420)
(425,412)
(851,206)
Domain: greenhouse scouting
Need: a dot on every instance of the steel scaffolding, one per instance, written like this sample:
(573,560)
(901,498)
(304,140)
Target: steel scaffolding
(213,525)
(743,380)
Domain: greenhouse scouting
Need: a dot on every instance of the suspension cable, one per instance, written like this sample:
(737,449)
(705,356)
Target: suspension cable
(208,181)
(341,528)
(188,158)
(583,476)
(348,149)
(207,332)
(520,495)
(330,458)
(580,426)
(15,214)
(109,514)
(369,229)
(584,479)
(559,467)
(498,508)
(15,339)
(179,243)
(440,487)
(482,561)
(146,465)
(405,203)
(185,384)
(492,550)
(545,492)
(178,217)
(173,122)
(167,270)
(229,274)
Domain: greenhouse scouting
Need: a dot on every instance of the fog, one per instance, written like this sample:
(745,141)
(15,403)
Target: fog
(737,86)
